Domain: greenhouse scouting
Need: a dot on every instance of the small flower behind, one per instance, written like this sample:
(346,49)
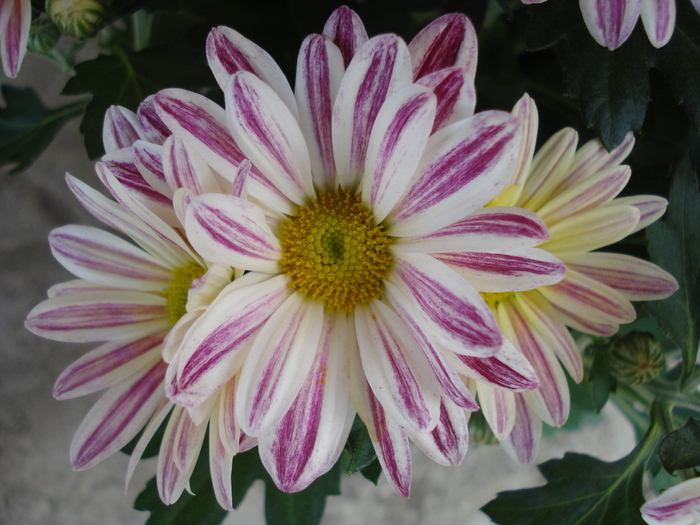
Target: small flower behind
(15,21)
(679,505)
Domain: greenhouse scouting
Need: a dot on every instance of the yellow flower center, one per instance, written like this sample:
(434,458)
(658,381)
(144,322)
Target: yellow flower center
(334,251)
(492,299)
(176,293)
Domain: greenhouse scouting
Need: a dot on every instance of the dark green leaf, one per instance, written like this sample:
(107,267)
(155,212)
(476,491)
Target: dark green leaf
(360,448)
(613,87)
(202,509)
(674,244)
(681,448)
(600,376)
(582,490)
(372,471)
(27,127)
(126,78)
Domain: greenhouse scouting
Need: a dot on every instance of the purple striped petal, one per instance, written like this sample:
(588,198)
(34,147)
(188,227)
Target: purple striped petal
(635,279)
(15,21)
(120,129)
(107,365)
(220,464)
(148,159)
(677,505)
(229,52)
(396,144)
(104,258)
(229,429)
(528,121)
(455,313)
(346,30)
(447,443)
(452,385)
(523,442)
(512,270)
(446,42)
(319,72)
(486,229)
(456,95)
(498,408)
(396,368)
(76,286)
(239,185)
(659,19)
(183,167)
(580,323)
(269,134)
(153,128)
(230,230)
(98,316)
(117,417)
(464,166)
(379,68)
(215,346)
(507,370)
(278,364)
(310,437)
(157,419)
(590,299)
(189,435)
(610,22)
(650,207)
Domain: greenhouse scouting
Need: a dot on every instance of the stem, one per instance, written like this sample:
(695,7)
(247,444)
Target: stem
(141,26)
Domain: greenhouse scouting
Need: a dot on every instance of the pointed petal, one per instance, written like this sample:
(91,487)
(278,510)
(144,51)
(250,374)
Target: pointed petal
(346,30)
(230,230)
(220,464)
(396,144)
(229,52)
(319,73)
(76,286)
(650,207)
(523,442)
(311,435)
(278,364)
(189,435)
(498,407)
(149,431)
(456,95)
(659,19)
(269,134)
(107,365)
(446,42)
(103,258)
(635,279)
(98,316)
(447,443)
(512,270)
(229,429)
(677,505)
(464,166)
(585,325)
(14,34)
(148,159)
(117,417)
(379,68)
(154,129)
(455,313)
(183,167)
(610,22)
(121,129)
(528,122)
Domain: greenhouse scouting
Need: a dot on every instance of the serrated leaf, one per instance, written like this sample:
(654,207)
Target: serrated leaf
(27,127)
(125,78)
(200,509)
(602,381)
(674,244)
(681,448)
(582,490)
(613,87)
(360,448)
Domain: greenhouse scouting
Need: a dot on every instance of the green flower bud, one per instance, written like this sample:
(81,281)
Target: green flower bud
(479,431)
(636,358)
(43,36)
(77,18)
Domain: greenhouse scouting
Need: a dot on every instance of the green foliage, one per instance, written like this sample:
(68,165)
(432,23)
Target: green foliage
(582,490)
(613,87)
(674,244)
(602,381)
(359,447)
(125,78)
(681,448)
(27,127)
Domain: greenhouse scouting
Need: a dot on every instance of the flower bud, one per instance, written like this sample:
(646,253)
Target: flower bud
(479,431)
(636,358)
(77,18)
(43,36)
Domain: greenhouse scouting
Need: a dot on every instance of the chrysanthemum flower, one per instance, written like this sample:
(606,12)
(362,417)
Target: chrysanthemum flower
(574,192)
(611,22)
(363,220)
(15,21)
(679,505)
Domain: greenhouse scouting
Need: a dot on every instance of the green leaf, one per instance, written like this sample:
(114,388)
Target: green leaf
(301,508)
(126,78)
(613,87)
(582,490)
(602,381)
(201,509)
(674,244)
(360,447)
(681,448)
(372,471)
(27,127)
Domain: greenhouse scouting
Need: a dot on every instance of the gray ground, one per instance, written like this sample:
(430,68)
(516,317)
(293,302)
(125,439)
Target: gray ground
(37,484)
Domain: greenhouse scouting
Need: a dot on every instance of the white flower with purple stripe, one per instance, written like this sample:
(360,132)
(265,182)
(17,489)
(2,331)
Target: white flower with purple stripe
(678,505)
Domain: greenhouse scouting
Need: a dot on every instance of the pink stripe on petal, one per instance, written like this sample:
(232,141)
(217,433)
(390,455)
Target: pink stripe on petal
(455,313)
(523,442)
(447,443)
(528,121)
(184,168)
(659,19)
(117,417)
(76,286)
(650,207)
(148,159)
(153,128)
(677,505)
(239,187)
(456,96)
(380,67)
(220,465)
(346,30)
(229,429)
(189,435)
(121,129)
(447,41)
(498,408)
(610,22)
(15,22)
